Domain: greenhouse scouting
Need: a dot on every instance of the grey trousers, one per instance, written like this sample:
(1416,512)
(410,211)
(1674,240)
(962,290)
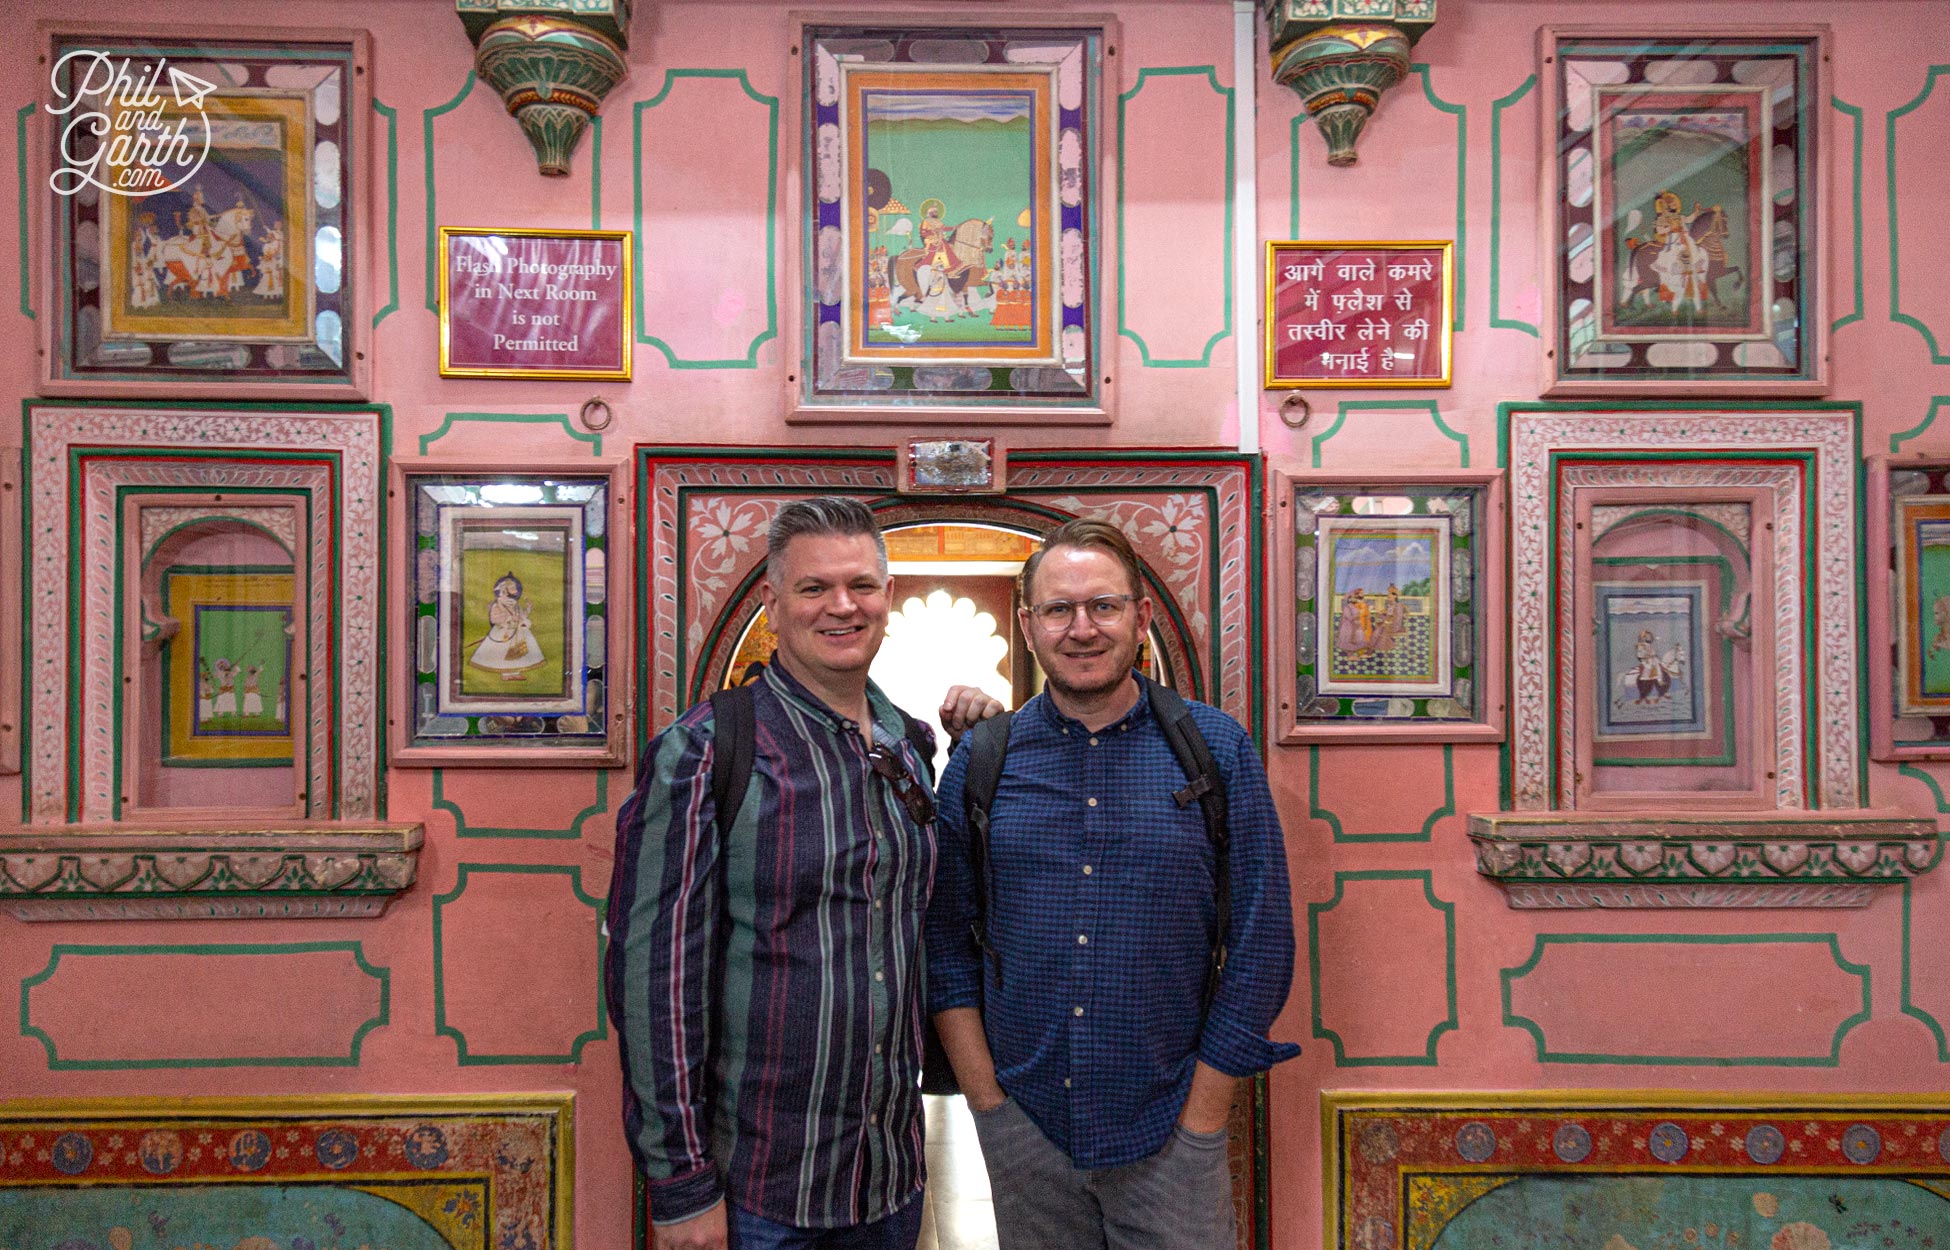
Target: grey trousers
(1178,1199)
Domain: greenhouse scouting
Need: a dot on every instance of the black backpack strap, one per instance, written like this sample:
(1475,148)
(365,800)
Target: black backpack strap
(735,744)
(920,736)
(1207,788)
(988,742)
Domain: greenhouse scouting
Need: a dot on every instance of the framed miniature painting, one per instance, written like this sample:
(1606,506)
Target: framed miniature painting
(510,603)
(1359,314)
(226,685)
(207,220)
(1909,572)
(951,222)
(1684,196)
(1391,583)
(535,303)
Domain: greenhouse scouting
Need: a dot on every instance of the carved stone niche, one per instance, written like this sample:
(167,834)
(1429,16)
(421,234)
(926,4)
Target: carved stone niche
(203,650)
(1732,859)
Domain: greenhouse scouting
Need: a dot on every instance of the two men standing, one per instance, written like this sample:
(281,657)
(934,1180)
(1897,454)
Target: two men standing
(766,977)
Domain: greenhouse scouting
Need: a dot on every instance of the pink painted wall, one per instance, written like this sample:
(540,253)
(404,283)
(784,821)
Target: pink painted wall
(1377,845)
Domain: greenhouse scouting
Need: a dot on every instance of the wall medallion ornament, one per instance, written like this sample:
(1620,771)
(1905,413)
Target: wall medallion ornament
(1339,56)
(553,63)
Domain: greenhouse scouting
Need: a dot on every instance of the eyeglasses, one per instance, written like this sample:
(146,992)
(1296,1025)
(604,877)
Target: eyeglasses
(913,795)
(1056,615)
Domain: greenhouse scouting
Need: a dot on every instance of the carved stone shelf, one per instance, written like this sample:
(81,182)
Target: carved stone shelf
(1735,859)
(197,872)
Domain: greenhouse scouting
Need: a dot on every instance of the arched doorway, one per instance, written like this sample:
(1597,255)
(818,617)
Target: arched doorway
(1194,517)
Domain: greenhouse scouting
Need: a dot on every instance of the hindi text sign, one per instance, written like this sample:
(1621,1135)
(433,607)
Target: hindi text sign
(1358,314)
(534,303)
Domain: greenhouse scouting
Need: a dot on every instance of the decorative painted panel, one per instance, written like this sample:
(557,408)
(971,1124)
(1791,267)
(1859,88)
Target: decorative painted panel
(1470,1171)
(705,512)
(420,1173)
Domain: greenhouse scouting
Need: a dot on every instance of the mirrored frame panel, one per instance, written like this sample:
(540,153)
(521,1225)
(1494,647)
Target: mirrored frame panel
(510,609)
(1388,625)
(208,226)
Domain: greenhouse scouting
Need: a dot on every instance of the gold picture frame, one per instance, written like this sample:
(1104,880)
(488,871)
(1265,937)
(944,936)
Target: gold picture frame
(521,292)
(1299,315)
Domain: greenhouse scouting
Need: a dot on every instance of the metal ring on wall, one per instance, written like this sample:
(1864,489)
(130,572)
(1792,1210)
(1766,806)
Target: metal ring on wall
(1293,399)
(596,415)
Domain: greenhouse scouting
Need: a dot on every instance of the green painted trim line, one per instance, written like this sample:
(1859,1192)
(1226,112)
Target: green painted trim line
(381,794)
(750,359)
(464,830)
(1510,976)
(596,172)
(1461,113)
(21,115)
(1855,195)
(392,210)
(349,1060)
(1896,313)
(1910,1008)
(433,212)
(1427,1059)
(590,437)
(1211,74)
(1400,405)
(1936,791)
(1497,320)
(1293,175)
(1896,441)
(440,1025)
(1333,822)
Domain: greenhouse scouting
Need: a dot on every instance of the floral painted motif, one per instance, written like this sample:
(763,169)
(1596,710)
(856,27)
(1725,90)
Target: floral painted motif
(1190,521)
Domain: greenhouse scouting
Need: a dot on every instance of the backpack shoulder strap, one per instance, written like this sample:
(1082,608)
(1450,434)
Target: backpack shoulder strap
(988,742)
(921,738)
(1207,788)
(735,741)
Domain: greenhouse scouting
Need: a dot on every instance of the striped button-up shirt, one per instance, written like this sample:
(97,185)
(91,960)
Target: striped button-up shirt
(1101,910)
(766,979)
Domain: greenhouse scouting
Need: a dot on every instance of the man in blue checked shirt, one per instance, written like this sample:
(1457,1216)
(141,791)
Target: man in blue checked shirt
(1100,1078)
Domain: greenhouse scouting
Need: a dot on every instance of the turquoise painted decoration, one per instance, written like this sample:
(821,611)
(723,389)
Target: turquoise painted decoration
(553,61)
(1339,56)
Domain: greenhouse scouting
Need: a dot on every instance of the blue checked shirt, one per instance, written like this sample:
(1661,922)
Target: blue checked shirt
(1101,910)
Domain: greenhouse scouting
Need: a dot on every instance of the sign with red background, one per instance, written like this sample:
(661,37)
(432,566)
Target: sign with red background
(1358,314)
(535,304)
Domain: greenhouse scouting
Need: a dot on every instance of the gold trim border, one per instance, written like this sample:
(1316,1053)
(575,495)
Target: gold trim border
(1446,322)
(628,277)
(1335,1102)
(561,1105)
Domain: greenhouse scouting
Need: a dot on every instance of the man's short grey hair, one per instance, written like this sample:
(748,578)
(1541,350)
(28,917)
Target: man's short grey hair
(830,514)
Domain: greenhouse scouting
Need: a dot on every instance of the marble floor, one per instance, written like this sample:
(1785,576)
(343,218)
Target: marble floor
(960,1214)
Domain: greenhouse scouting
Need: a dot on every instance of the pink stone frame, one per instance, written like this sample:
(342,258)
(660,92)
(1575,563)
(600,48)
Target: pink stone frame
(1550,189)
(1287,728)
(12,501)
(792,177)
(619,604)
(356,258)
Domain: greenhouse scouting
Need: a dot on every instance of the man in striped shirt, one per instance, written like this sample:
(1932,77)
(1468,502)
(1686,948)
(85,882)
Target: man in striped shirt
(1099,1074)
(765,978)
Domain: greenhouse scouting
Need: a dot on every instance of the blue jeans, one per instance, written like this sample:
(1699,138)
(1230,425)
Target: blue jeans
(898,1231)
